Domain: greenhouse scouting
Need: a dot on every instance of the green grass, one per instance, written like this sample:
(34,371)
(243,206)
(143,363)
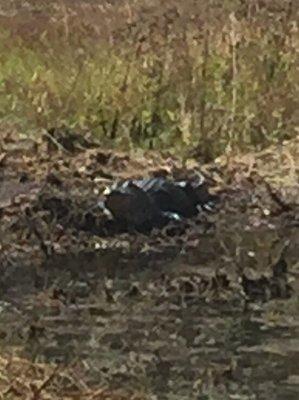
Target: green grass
(231,85)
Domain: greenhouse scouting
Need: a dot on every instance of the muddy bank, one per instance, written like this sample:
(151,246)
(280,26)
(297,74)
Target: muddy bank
(202,308)
(49,187)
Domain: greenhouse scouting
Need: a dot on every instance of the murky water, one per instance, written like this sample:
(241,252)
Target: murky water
(152,327)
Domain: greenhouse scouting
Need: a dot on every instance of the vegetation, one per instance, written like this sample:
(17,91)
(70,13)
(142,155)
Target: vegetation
(21,379)
(205,75)
(205,308)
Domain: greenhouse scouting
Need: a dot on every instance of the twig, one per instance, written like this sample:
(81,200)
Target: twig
(38,235)
(275,197)
(65,19)
(204,83)
(233,38)
(273,194)
(55,141)
(45,384)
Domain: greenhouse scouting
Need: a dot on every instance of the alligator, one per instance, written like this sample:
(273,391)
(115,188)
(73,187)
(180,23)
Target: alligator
(143,204)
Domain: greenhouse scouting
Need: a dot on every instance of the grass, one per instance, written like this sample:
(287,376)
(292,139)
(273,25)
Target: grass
(204,76)
(21,379)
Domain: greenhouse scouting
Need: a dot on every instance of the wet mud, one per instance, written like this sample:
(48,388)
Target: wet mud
(206,308)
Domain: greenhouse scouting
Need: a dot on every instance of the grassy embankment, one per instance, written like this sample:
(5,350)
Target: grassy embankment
(181,75)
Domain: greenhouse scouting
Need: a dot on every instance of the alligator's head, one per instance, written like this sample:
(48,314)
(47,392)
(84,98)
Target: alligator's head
(198,191)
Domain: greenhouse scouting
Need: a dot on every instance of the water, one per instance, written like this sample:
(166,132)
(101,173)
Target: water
(163,328)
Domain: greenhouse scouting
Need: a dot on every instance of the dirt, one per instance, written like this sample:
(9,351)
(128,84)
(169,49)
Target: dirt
(207,308)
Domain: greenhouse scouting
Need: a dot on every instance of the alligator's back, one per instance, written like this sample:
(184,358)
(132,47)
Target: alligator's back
(170,196)
(146,203)
(131,205)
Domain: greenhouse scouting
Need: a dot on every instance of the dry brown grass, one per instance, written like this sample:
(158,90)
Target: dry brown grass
(21,379)
(213,76)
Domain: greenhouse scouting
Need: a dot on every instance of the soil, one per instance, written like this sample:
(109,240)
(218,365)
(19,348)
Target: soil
(204,307)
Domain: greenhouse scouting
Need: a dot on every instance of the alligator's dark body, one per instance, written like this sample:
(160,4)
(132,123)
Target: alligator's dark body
(131,206)
(147,203)
(182,197)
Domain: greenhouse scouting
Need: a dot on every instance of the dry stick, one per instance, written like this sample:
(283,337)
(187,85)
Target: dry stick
(123,89)
(33,228)
(114,126)
(46,383)
(16,379)
(73,86)
(55,141)
(67,30)
(65,19)
(203,77)
(45,249)
(233,39)
(284,207)
(275,197)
